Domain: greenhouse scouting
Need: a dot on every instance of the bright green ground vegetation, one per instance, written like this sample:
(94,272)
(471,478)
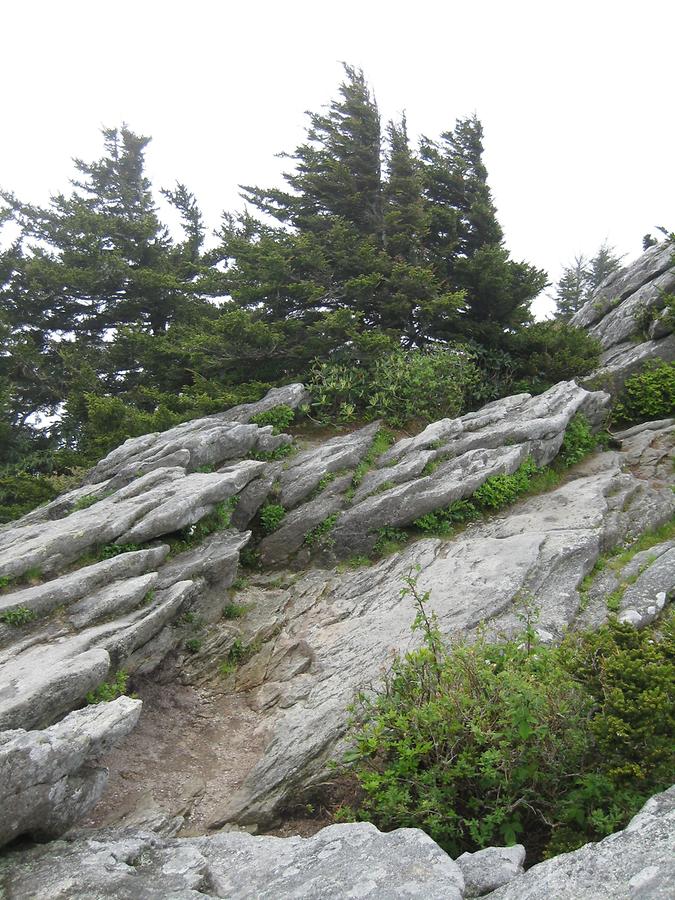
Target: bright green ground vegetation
(481,743)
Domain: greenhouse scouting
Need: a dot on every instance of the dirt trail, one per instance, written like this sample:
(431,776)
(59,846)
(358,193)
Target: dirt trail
(191,750)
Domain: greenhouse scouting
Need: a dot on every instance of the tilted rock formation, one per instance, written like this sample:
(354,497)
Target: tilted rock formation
(334,632)
(47,779)
(628,317)
(342,861)
(122,586)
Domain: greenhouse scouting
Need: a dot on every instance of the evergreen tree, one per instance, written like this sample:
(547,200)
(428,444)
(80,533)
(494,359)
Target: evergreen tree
(580,280)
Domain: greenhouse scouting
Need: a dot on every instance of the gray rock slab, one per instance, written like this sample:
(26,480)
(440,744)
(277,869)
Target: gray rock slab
(638,862)
(303,472)
(62,591)
(340,861)
(114,600)
(491,868)
(161,502)
(624,282)
(47,781)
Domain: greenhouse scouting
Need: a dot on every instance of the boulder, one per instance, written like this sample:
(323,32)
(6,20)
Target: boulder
(47,778)
(491,868)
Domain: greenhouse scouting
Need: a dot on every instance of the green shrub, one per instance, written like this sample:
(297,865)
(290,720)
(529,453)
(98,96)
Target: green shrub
(109,690)
(280,417)
(443,521)
(649,394)
(400,386)
(85,502)
(271,516)
(234,610)
(18,616)
(480,743)
(193,645)
(21,493)
(474,743)
(548,352)
(389,540)
(501,490)
(110,550)
(318,534)
(578,442)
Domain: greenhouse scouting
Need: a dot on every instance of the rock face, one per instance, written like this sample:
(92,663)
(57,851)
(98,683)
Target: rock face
(342,861)
(627,314)
(136,569)
(638,862)
(47,779)
(341,628)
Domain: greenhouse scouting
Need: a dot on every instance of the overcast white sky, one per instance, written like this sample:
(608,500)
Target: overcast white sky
(576,98)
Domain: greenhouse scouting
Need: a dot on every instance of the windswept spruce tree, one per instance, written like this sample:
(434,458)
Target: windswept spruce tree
(378,275)
(413,253)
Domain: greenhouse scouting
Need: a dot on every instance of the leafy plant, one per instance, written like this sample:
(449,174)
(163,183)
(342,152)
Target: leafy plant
(85,502)
(318,534)
(649,394)
(110,690)
(577,443)
(389,540)
(193,645)
(234,610)
(108,551)
(399,386)
(280,417)
(18,616)
(480,743)
(271,516)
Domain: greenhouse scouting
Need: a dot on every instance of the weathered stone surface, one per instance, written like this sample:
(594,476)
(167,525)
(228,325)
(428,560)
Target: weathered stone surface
(495,440)
(43,598)
(291,534)
(47,780)
(202,442)
(339,861)
(348,624)
(491,868)
(625,282)
(304,471)
(156,504)
(637,862)
(616,313)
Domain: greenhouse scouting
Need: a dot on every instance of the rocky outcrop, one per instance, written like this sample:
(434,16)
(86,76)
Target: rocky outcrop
(47,778)
(637,862)
(627,315)
(342,861)
(340,628)
(134,570)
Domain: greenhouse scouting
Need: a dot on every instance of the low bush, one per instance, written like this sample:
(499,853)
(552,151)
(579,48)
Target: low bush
(110,690)
(280,417)
(482,743)
(400,386)
(18,616)
(271,516)
(649,394)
